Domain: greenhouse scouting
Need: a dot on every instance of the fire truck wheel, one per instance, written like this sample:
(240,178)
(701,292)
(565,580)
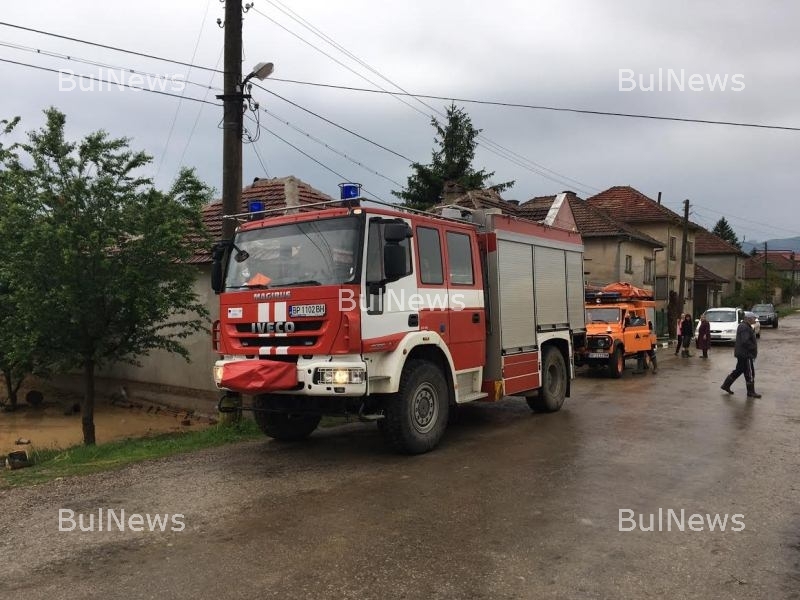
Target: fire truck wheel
(416,416)
(554,383)
(616,364)
(284,426)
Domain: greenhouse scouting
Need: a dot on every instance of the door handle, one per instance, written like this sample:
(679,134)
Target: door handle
(476,317)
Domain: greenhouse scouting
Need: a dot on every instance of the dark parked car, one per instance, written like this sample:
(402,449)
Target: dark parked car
(766,315)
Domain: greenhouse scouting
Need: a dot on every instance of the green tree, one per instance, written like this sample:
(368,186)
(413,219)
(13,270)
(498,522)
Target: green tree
(16,339)
(726,232)
(451,161)
(100,266)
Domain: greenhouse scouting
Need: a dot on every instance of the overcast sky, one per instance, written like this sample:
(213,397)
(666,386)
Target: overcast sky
(562,54)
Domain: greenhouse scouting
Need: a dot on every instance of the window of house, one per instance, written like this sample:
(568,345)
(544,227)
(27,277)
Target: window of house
(628,263)
(429,248)
(689,288)
(673,248)
(648,270)
(689,252)
(459,253)
(672,284)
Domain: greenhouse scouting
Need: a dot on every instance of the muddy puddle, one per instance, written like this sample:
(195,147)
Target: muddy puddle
(48,426)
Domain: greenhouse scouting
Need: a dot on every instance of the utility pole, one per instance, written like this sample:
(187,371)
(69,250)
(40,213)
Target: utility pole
(684,246)
(233,116)
(766,283)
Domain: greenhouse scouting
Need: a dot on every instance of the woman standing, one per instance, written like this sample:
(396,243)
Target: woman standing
(678,334)
(704,335)
(687,334)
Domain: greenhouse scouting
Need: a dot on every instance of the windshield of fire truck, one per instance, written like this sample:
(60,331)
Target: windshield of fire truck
(602,315)
(309,253)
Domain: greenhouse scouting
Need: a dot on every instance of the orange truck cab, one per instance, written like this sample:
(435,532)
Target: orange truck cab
(619,325)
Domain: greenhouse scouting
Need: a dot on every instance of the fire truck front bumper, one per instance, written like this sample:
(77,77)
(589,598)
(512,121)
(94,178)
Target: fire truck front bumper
(319,376)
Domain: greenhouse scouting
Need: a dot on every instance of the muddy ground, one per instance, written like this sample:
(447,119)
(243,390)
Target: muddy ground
(511,505)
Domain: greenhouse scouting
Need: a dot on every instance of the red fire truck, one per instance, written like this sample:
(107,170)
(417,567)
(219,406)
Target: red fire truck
(393,315)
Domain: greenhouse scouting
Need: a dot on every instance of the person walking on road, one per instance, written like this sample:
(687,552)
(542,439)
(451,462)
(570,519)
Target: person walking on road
(686,334)
(745,351)
(678,335)
(704,335)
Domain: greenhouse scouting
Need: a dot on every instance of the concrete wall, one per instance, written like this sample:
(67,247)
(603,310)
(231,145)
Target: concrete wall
(665,266)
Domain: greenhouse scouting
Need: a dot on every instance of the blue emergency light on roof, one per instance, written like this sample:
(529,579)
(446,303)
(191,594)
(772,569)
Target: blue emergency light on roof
(255,205)
(349,191)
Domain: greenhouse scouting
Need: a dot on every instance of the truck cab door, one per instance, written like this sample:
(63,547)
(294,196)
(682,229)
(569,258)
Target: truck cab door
(386,307)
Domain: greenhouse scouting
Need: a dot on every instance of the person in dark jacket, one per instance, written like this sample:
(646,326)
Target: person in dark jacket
(745,351)
(686,334)
(704,335)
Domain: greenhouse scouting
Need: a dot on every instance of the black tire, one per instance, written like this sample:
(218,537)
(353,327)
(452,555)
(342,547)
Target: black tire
(775,324)
(616,364)
(285,427)
(416,416)
(554,383)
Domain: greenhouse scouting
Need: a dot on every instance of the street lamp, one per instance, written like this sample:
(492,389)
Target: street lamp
(261,71)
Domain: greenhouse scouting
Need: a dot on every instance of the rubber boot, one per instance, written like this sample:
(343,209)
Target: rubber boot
(751,391)
(655,364)
(726,385)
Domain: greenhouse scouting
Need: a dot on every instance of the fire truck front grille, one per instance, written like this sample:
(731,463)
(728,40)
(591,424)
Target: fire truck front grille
(274,342)
(299,326)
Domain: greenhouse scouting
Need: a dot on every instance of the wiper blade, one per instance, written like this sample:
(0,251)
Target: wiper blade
(304,282)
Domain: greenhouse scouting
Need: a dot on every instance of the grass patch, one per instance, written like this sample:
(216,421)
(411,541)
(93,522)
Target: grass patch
(51,463)
(785,311)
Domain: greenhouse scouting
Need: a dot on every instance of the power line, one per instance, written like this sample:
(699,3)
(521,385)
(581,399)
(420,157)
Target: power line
(490,145)
(183,92)
(107,47)
(95,63)
(110,83)
(351,132)
(427,96)
(544,107)
(332,149)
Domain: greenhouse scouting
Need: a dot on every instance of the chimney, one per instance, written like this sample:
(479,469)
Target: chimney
(514,202)
(291,194)
(659,198)
(451,192)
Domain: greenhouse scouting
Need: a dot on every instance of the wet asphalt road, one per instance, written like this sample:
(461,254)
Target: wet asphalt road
(511,505)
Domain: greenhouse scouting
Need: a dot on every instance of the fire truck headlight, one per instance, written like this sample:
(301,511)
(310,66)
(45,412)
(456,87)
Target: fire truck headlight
(339,376)
(219,371)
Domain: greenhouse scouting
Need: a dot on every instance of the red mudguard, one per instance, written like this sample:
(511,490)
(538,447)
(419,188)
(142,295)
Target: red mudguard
(259,376)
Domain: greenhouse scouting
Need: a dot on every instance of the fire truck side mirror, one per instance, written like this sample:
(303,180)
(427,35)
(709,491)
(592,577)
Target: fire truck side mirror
(394,233)
(395,262)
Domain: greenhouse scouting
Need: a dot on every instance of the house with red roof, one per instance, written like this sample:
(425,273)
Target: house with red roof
(613,251)
(635,209)
(784,264)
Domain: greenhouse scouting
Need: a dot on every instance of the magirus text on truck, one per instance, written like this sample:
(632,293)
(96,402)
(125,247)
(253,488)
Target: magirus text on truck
(394,315)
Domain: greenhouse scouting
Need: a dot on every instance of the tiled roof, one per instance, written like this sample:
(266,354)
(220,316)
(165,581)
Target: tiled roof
(536,209)
(754,266)
(629,205)
(272,192)
(706,242)
(703,275)
(591,221)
